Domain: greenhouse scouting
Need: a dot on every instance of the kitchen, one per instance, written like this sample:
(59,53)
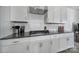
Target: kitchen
(37,29)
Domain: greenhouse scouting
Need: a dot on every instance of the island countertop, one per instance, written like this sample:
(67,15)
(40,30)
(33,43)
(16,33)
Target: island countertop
(26,34)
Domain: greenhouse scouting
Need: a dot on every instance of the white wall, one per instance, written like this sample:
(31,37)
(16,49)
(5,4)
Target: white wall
(4,21)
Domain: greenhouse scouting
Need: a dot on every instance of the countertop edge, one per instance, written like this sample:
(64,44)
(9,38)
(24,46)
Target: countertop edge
(7,38)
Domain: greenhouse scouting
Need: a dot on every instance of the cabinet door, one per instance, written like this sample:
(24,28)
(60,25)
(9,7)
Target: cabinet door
(63,15)
(34,46)
(44,46)
(57,14)
(50,18)
(40,44)
(63,43)
(55,45)
(16,48)
(18,13)
(70,42)
(53,14)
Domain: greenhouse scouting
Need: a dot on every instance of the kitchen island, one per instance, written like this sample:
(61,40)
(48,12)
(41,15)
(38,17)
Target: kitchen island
(44,43)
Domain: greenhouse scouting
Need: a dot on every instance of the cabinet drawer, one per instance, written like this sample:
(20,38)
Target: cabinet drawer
(40,37)
(55,36)
(8,42)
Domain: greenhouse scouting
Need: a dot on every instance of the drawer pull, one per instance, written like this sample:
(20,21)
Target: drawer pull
(15,41)
(51,42)
(40,45)
(27,47)
(68,39)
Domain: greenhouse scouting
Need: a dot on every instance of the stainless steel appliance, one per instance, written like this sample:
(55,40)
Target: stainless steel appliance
(18,30)
(15,29)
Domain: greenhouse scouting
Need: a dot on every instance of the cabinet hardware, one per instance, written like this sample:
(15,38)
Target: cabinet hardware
(68,39)
(51,42)
(15,41)
(40,44)
(27,48)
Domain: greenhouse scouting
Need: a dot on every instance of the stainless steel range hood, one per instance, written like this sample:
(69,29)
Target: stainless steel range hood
(38,10)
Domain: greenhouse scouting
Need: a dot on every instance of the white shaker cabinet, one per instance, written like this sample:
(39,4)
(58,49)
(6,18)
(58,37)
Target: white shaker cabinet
(56,14)
(63,42)
(44,46)
(34,45)
(63,15)
(55,43)
(66,41)
(19,13)
(15,48)
(53,14)
(70,40)
(50,15)
(40,44)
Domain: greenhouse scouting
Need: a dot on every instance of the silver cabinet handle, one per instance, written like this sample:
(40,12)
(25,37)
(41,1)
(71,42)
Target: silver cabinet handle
(51,42)
(27,48)
(40,45)
(15,41)
(67,39)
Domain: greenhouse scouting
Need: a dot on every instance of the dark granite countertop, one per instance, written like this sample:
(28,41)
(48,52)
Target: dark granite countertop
(26,34)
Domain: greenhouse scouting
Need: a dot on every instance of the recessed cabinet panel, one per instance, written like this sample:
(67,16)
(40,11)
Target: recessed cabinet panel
(55,45)
(50,16)
(57,14)
(63,14)
(17,48)
(34,46)
(70,40)
(44,46)
(63,42)
(19,13)
(40,44)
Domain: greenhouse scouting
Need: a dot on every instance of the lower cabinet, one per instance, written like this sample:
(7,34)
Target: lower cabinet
(44,46)
(63,43)
(55,44)
(16,48)
(34,46)
(66,41)
(70,42)
(40,44)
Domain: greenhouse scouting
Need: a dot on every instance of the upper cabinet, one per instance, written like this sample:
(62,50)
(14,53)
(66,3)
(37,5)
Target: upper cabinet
(56,14)
(19,13)
(63,14)
(50,15)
